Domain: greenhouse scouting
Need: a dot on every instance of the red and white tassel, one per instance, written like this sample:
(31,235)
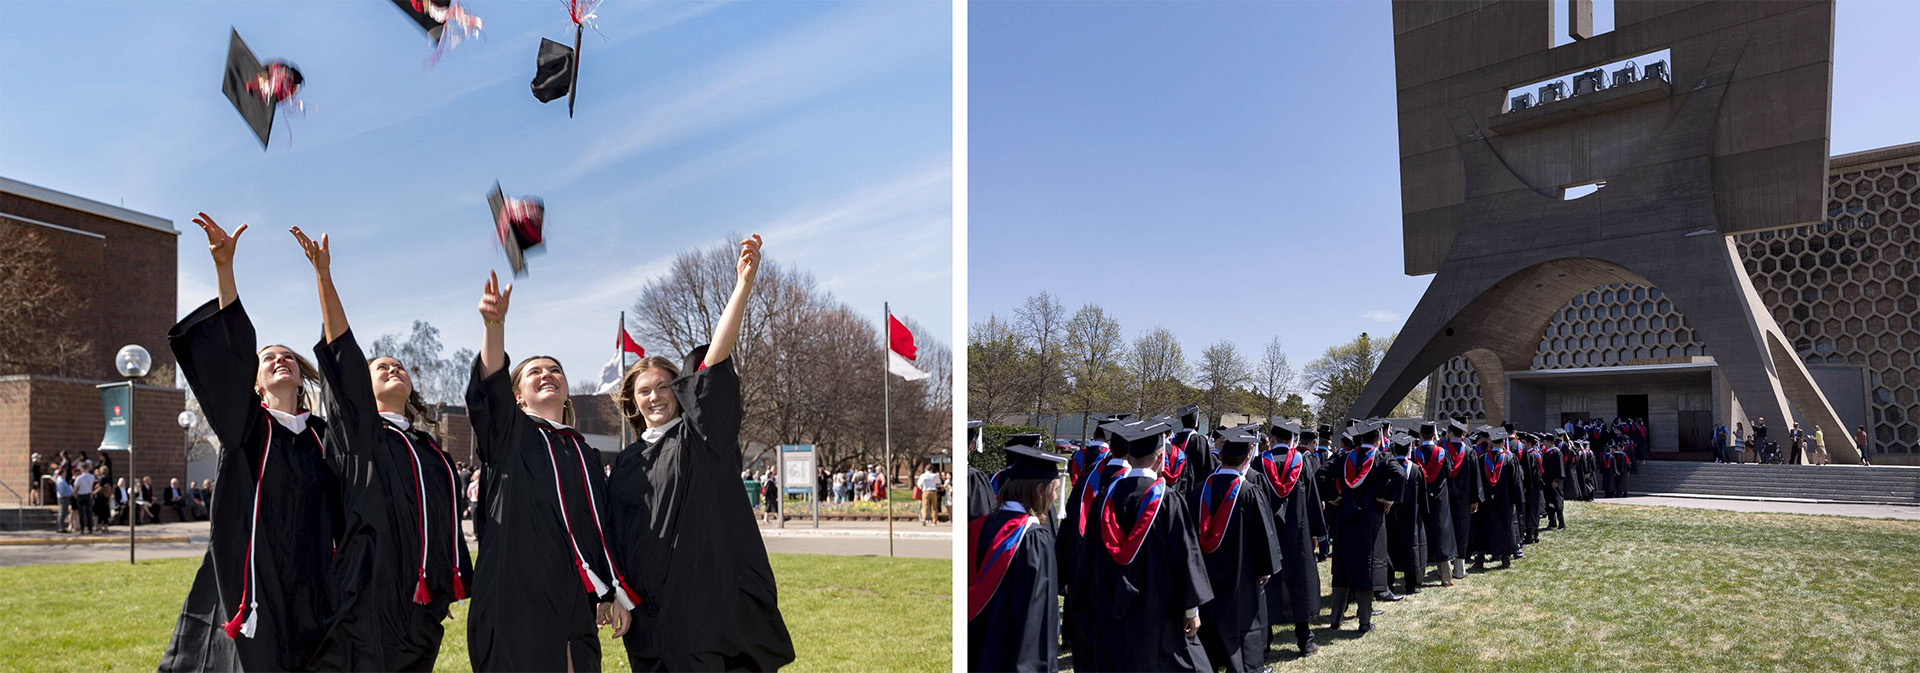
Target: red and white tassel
(233,625)
(459,587)
(420,593)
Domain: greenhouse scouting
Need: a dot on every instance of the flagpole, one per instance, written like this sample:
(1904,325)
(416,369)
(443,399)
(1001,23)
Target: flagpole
(620,356)
(886,394)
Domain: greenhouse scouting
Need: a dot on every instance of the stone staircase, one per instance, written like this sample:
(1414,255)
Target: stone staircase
(30,518)
(1828,483)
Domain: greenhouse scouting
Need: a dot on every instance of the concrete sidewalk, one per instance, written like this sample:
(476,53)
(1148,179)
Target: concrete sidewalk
(176,540)
(1905,512)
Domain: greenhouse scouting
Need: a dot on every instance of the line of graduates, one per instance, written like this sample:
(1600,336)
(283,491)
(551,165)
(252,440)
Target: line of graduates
(336,544)
(1179,550)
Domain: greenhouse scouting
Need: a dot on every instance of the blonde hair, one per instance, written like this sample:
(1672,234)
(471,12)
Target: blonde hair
(566,407)
(623,395)
(309,377)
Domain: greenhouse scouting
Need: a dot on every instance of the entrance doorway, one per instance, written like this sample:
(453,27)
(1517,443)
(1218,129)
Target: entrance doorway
(1631,406)
(1696,431)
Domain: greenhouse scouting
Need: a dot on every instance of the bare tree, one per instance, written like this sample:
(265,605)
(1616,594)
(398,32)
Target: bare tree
(1274,377)
(37,332)
(1093,352)
(1042,322)
(996,363)
(439,380)
(1222,371)
(1156,369)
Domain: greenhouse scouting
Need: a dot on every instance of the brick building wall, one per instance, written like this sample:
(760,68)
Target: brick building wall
(47,415)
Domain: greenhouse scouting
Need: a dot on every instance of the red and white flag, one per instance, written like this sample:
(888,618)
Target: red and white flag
(901,351)
(630,353)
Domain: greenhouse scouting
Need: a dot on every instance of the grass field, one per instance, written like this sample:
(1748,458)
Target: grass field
(1630,588)
(845,614)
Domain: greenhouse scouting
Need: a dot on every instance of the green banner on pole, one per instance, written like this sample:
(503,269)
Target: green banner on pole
(116,401)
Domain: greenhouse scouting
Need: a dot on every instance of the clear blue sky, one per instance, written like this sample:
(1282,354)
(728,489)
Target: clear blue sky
(1174,162)
(824,126)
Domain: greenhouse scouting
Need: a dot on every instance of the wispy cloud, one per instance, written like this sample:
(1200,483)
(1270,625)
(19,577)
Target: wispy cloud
(1381,316)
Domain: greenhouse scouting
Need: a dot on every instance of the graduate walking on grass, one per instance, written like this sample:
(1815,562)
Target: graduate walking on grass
(261,601)
(401,559)
(1293,595)
(1241,552)
(1142,582)
(1012,621)
(680,530)
(1367,488)
(544,579)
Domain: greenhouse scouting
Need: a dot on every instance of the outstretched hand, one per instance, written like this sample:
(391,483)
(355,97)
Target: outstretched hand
(219,243)
(749,262)
(493,302)
(317,253)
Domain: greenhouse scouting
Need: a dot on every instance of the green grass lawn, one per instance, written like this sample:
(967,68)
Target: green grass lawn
(845,614)
(1629,588)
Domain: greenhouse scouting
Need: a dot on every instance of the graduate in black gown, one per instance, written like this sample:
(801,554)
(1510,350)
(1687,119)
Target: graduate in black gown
(402,558)
(1494,533)
(1142,581)
(1241,552)
(1464,493)
(979,486)
(1436,514)
(1189,455)
(1293,595)
(544,579)
(681,531)
(1367,488)
(1534,481)
(1080,528)
(261,599)
(1608,470)
(1555,462)
(1407,521)
(1321,439)
(1011,619)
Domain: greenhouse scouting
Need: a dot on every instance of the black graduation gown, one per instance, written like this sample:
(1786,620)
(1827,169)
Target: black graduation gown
(980,497)
(1191,452)
(299,512)
(1073,548)
(1437,515)
(1555,482)
(1360,556)
(1136,612)
(684,536)
(1293,595)
(385,472)
(1016,630)
(532,607)
(1623,465)
(1233,626)
(1493,526)
(1534,480)
(1329,486)
(1608,467)
(1407,523)
(1463,492)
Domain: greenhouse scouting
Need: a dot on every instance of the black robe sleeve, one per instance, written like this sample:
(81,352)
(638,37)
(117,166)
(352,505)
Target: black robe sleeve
(710,399)
(495,416)
(213,346)
(1193,587)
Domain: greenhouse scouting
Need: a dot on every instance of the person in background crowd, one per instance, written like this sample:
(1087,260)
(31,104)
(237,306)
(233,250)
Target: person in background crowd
(63,494)
(102,499)
(1759,443)
(83,497)
(120,501)
(1860,439)
(1820,447)
(34,472)
(929,486)
(175,498)
(1740,445)
(1721,448)
(839,487)
(770,496)
(196,501)
(1797,445)
(143,497)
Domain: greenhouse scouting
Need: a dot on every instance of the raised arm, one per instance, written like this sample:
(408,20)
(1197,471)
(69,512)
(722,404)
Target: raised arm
(493,312)
(333,316)
(221,245)
(727,333)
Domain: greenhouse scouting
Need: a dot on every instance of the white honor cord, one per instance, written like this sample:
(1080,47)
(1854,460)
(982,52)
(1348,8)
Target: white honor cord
(619,596)
(420,485)
(599,587)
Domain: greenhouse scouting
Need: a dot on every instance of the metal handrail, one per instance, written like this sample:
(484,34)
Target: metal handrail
(20,514)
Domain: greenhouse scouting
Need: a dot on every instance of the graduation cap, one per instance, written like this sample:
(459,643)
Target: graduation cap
(1190,416)
(1309,434)
(1283,429)
(1026,461)
(554,73)
(1428,429)
(1139,439)
(1359,431)
(1455,424)
(257,88)
(519,225)
(1402,441)
(1236,443)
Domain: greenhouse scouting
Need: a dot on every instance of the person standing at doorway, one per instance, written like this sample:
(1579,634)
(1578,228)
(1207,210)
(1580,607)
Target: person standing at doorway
(1861,440)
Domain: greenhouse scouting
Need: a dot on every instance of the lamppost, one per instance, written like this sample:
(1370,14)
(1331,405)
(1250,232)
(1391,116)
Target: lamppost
(186,420)
(133,362)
